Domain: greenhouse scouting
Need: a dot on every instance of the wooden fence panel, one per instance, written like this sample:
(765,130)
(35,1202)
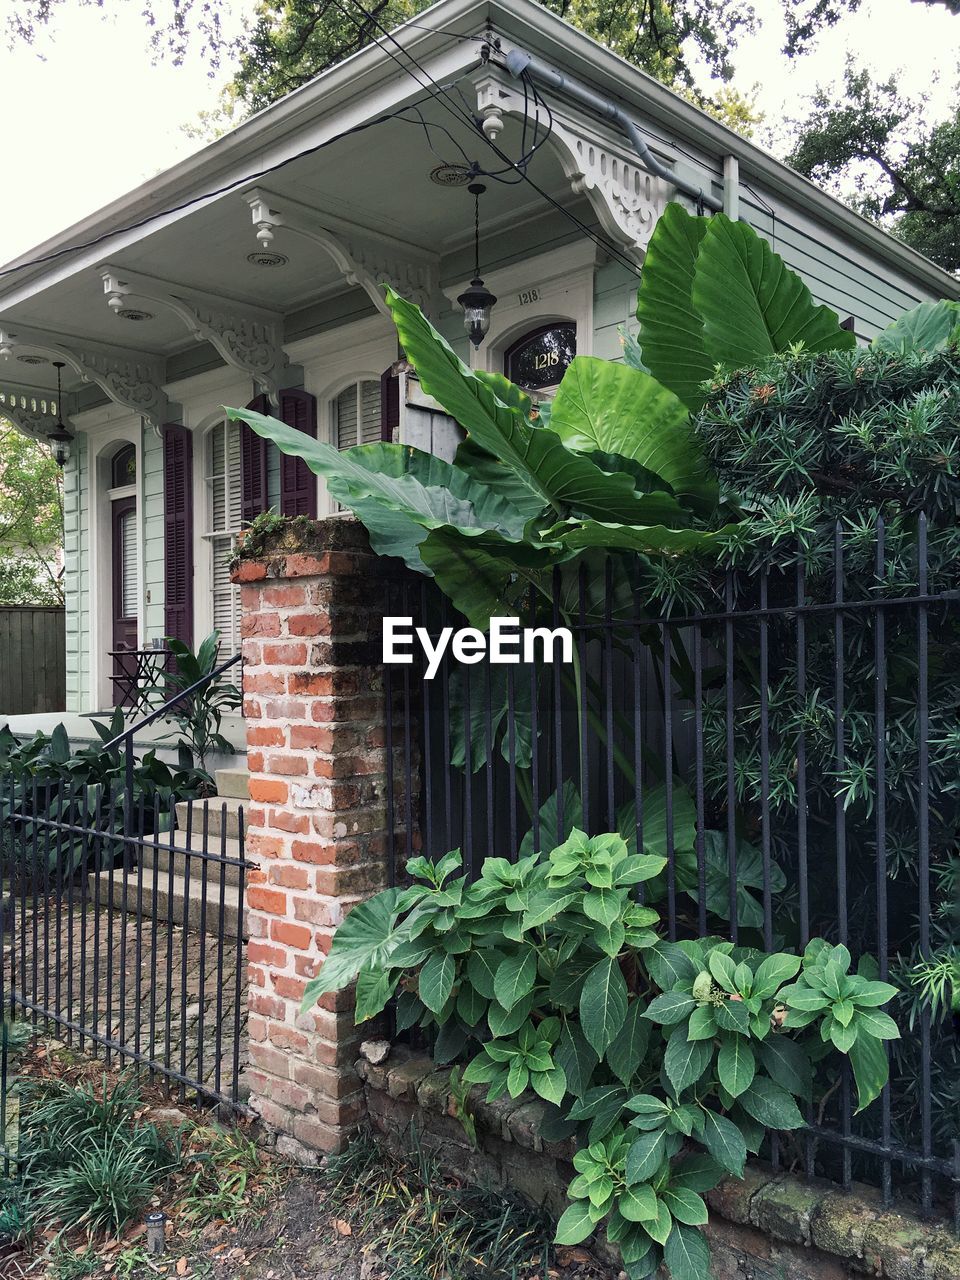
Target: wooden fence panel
(33,660)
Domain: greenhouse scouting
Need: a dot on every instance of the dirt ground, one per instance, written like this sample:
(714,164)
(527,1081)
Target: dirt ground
(284,1222)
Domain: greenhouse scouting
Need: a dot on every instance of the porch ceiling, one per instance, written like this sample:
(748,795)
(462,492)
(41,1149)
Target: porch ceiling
(375,185)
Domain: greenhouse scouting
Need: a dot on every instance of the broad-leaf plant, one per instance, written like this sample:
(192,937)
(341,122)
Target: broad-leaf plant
(668,1060)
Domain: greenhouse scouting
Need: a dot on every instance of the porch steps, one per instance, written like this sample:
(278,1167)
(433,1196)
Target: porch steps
(176,901)
(222,813)
(233,784)
(214,824)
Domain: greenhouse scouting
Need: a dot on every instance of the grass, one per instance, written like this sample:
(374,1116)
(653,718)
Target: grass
(87,1159)
(420,1224)
(228,1178)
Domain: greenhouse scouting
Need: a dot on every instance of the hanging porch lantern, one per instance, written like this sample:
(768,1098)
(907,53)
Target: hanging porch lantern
(60,438)
(477,301)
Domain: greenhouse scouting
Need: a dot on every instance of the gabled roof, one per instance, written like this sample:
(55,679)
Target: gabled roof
(356,90)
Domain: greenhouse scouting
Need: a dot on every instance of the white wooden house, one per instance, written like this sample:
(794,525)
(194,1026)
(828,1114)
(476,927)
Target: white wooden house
(253,271)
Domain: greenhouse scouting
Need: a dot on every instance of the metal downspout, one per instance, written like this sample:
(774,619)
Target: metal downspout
(518,61)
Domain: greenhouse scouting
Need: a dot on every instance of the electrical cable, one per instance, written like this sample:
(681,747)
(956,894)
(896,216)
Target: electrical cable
(439,95)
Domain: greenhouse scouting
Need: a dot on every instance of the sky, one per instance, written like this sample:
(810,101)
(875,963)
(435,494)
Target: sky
(81,130)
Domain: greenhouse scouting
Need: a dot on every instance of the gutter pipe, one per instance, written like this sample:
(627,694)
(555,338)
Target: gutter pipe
(519,61)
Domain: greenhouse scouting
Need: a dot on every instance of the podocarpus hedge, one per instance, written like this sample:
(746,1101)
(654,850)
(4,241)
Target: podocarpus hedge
(670,1060)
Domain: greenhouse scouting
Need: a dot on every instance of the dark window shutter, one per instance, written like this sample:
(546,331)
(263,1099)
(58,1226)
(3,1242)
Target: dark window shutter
(253,465)
(389,404)
(298,484)
(178,533)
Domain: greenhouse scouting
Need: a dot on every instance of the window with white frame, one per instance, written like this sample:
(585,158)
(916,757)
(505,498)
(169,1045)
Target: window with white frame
(224,514)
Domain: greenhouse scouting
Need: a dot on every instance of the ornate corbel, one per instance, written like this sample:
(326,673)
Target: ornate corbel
(599,162)
(364,258)
(248,338)
(132,379)
(32,410)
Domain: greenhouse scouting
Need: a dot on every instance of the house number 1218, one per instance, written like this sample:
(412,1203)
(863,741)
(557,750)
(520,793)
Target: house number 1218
(528,296)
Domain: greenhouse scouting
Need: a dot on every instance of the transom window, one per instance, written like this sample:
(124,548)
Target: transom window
(356,415)
(224,515)
(123,467)
(539,359)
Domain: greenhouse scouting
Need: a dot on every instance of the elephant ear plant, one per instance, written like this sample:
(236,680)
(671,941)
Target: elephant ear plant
(668,1060)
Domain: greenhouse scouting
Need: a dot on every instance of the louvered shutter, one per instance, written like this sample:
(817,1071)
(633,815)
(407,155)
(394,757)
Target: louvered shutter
(253,465)
(298,484)
(178,533)
(389,405)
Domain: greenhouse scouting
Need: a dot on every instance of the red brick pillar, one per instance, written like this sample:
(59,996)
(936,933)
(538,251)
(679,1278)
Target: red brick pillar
(317,823)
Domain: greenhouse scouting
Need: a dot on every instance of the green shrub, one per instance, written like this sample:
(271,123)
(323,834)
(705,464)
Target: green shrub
(85,1158)
(670,1060)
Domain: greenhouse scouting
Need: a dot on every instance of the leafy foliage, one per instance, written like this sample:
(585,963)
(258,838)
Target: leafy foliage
(31,520)
(82,790)
(820,449)
(870,141)
(522,497)
(731,301)
(85,1158)
(668,1059)
(198,717)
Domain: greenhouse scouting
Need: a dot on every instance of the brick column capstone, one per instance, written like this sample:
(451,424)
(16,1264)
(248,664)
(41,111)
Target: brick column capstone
(317,822)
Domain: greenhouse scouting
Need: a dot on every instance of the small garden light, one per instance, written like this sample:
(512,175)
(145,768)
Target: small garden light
(477,301)
(156,1231)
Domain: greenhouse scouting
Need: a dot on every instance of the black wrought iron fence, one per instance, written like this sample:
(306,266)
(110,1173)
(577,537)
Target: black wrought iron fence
(123,931)
(785,731)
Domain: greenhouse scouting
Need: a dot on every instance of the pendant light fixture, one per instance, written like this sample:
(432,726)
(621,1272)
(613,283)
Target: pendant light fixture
(477,301)
(60,438)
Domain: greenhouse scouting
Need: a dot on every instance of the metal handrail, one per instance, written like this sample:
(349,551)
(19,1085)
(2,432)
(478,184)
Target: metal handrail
(172,702)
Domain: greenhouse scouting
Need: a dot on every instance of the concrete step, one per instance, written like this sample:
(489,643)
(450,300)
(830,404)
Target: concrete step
(161,858)
(178,906)
(233,783)
(222,813)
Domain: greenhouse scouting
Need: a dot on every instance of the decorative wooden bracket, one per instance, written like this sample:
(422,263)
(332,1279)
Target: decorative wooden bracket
(364,258)
(248,338)
(32,410)
(133,379)
(598,161)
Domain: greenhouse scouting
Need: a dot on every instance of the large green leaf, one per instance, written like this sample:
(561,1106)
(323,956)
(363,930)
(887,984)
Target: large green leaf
(929,327)
(560,478)
(871,1070)
(687,1253)
(489,715)
(366,938)
(725,1142)
(548,826)
(493,475)
(575,535)
(752,305)
(603,1004)
(398,492)
(482,573)
(671,330)
(618,410)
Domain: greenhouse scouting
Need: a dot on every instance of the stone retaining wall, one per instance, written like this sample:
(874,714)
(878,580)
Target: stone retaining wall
(770,1226)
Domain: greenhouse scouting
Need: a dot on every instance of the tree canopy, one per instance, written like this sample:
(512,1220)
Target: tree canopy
(904,171)
(31,520)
